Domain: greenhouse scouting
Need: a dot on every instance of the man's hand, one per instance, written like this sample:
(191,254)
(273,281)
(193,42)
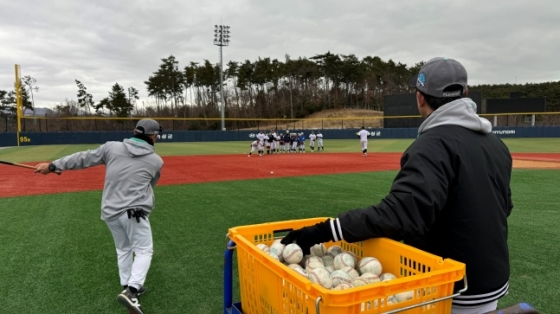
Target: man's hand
(42,168)
(308,236)
(136,213)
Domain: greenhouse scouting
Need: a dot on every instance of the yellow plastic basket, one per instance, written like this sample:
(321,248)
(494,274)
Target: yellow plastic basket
(269,287)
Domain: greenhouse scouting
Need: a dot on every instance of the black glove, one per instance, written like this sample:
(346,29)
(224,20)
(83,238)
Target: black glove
(137,213)
(306,237)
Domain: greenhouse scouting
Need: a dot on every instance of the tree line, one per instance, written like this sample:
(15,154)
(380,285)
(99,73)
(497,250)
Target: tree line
(264,88)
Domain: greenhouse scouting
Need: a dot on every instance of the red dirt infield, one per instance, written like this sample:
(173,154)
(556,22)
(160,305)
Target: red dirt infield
(213,168)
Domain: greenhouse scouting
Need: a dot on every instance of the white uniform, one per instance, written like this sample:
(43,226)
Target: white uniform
(254,147)
(320,141)
(312,138)
(274,145)
(363,134)
(261,136)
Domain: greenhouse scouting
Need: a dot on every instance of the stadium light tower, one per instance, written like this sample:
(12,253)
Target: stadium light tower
(221,39)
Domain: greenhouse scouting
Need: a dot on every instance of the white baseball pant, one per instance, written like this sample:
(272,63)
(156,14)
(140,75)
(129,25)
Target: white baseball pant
(364,144)
(131,237)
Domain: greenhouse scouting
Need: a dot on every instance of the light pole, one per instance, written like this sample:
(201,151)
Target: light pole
(221,38)
(174,72)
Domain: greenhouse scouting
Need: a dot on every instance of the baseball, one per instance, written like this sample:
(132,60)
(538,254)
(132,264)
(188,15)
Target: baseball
(301,271)
(272,172)
(358,282)
(343,260)
(263,247)
(334,250)
(403,296)
(274,256)
(314,265)
(387,277)
(320,276)
(356,259)
(351,271)
(343,286)
(340,276)
(319,250)
(370,265)
(328,260)
(313,259)
(292,253)
(277,249)
(370,277)
(295,266)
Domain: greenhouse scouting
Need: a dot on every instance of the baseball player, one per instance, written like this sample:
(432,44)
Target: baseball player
(261,136)
(287,140)
(132,169)
(363,134)
(275,139)
(293,142)
(301,143)
(320,141)
(256,146)
(312,138)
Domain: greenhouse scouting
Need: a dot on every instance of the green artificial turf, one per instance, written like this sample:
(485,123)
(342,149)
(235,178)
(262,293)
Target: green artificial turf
(58,256)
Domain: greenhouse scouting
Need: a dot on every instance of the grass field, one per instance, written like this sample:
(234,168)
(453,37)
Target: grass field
(57,256)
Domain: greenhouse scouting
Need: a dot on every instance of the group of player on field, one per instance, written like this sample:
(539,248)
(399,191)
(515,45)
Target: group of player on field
(275,143)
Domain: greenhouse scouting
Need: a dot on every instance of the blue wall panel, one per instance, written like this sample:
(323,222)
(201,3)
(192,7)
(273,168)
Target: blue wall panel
(8,139)
(43,138)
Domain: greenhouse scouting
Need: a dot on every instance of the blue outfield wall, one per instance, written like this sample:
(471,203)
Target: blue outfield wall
(46,138)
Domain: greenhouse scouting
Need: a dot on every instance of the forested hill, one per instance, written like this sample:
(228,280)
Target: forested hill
(264,88)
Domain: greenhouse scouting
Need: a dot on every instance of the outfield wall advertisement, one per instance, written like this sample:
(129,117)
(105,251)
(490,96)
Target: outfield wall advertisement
(45,138)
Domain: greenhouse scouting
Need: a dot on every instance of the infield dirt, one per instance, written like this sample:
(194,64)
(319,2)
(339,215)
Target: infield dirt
(213,168)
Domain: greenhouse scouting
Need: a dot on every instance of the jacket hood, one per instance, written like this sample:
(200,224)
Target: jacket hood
(461,112)
(137,147)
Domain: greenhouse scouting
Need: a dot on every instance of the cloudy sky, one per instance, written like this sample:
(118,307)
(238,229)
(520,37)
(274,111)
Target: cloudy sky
(101,42)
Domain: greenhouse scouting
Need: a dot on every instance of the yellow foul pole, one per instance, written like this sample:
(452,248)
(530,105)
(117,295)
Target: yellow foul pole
(18,100)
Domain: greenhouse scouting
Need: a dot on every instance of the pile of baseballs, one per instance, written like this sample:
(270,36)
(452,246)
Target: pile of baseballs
(333,268)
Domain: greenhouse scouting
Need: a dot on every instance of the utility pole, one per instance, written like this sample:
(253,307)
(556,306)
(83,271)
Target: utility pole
(221,38)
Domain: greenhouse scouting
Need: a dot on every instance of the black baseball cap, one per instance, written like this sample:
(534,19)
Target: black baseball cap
(438,74)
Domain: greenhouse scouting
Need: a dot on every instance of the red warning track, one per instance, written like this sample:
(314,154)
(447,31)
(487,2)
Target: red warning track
(16,181)
(198,169)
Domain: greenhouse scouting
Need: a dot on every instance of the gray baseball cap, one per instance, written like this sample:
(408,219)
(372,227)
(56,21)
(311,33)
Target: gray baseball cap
(148,127)
(440,73)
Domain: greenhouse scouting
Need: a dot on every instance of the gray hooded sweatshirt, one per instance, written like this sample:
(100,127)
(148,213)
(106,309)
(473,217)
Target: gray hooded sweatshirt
(132,169)
(460,112)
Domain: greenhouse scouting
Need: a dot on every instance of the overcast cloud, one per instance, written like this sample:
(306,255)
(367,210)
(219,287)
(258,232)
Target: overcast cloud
(101,42)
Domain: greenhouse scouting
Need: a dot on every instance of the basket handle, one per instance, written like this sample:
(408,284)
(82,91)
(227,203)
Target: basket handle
(318,310)
(428,302)
(230,245)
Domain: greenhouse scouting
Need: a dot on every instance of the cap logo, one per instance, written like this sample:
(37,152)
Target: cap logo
(452,94)
(421,79)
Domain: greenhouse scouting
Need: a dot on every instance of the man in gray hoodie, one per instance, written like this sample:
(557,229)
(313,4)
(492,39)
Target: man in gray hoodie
(132,169)
(451,197)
